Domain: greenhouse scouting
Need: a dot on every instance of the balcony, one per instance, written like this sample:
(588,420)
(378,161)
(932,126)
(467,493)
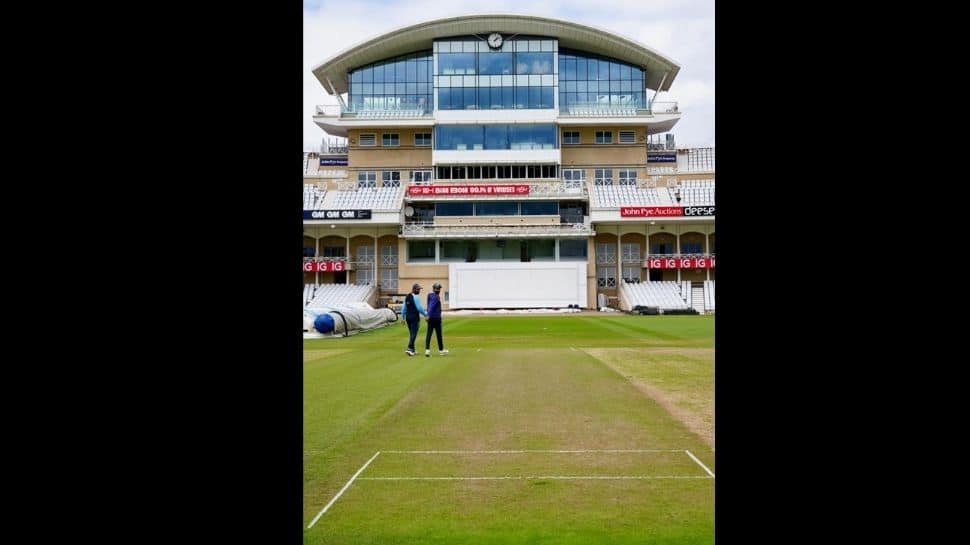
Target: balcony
(596,109)
(357,111)
(505,227)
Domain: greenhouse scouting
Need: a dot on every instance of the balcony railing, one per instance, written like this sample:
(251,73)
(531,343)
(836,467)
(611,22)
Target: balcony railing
(376,112)
(664,108)
(598,109)
(590,109)
(430,230)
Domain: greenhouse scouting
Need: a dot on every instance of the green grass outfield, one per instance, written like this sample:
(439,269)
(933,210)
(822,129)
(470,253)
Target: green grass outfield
(540,384)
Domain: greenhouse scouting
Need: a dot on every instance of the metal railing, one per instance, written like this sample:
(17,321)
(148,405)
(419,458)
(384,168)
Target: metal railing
(664,108)
(430,230)
(599,109)
(586,109)
(373,111)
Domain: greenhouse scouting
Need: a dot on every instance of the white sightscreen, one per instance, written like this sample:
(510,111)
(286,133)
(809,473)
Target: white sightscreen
(516,285)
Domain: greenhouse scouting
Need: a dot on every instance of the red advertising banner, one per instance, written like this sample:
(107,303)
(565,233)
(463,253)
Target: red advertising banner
(324,266)
(484,189)
(650,211)
(679,263)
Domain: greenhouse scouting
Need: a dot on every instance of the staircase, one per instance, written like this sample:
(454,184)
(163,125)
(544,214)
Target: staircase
(697,296)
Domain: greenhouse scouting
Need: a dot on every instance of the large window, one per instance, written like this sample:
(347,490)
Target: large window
(454,209)
(457,64)
(497,208)
(606,277)
(365,254)
(364,276)
(605,253)
(389,279)
(389,255)
(459,250)
(539,250)
(533,63)
(477,137)
(628,176)
(630,252)
(495,63)
(604,176)
(422,139)
(540,208)
(472,76)
(586,80)
(367,178)
(572,249)
(402,83)
(421,251)
(421,176)
(573,177)
(391,178)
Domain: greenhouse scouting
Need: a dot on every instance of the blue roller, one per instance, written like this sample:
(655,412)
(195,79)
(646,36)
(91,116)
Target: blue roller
(323,323)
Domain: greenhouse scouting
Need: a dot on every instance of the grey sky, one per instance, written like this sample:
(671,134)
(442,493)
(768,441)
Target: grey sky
(682,29)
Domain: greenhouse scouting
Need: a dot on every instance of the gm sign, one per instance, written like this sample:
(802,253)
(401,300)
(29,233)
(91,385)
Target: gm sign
(336,214)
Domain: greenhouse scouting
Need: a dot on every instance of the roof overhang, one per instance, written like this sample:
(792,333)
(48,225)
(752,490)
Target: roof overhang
(420,37)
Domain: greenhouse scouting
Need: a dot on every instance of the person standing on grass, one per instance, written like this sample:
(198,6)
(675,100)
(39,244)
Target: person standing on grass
(434,321)
(411,313)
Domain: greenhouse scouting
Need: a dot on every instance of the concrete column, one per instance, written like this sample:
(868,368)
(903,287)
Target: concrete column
(619,259)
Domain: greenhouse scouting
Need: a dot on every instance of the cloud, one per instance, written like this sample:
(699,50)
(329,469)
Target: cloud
(682,29)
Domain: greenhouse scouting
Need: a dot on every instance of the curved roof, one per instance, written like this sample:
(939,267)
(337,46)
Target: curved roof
(419,37)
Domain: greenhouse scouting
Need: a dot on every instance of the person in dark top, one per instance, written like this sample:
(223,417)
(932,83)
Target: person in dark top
(411,313)
(434,321)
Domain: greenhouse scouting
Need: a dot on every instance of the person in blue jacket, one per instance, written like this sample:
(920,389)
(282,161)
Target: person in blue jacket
(411,312)
(434,321)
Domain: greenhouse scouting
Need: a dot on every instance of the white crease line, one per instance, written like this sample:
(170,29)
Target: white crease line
(346,486)
(573,349)
(700,464)
(551,477)
(518,451)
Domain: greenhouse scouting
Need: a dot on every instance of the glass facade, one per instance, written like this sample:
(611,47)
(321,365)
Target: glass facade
(587,79)
(402,83)
(464,73)
(521,74)
(493,137)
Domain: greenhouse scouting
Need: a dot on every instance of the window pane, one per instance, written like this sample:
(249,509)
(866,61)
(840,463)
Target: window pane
(454,209)
(495,63)
(421,250)
(530,208)
(533,63)
(545,97)
(456,63)
(496,137)
(497,209)
(572,248)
